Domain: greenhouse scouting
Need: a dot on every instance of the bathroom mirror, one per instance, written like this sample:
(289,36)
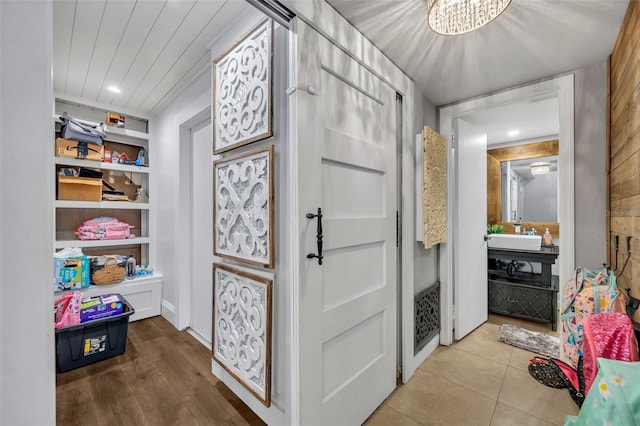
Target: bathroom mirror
(522,182)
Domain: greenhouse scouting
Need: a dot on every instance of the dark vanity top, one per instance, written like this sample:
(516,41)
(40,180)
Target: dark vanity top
(544,255)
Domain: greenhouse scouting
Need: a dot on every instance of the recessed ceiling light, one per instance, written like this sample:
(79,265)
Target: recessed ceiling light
(113,89)
(513,132)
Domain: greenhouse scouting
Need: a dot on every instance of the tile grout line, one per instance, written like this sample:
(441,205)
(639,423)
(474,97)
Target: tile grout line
(504,376)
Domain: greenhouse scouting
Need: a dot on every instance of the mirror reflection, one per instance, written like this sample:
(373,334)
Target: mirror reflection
(529,189)
(523,182)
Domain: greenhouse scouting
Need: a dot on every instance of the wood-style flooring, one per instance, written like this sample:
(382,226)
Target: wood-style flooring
(163,378)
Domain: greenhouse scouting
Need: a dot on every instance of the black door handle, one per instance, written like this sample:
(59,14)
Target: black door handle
(487,238)
(318,236)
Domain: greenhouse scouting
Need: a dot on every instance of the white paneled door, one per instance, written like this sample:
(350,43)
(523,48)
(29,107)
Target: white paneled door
(470,262)
(346,132)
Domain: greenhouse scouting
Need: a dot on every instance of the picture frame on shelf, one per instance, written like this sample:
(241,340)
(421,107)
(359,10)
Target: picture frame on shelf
(243,214)
(242,316)
(242,90)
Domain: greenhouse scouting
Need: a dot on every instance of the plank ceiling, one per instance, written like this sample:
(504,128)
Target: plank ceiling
(150,49)
(530,40)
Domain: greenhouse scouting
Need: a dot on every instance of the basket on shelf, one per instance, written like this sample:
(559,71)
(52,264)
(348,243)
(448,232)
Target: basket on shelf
(110,273)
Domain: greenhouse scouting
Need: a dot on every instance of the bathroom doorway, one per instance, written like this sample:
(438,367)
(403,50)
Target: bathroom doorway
(562,89)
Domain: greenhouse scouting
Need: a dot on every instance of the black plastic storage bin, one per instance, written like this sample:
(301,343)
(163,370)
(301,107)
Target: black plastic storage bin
(92,341)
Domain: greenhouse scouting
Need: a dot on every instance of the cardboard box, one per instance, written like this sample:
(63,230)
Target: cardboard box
(100,307)
(79,188)
(69,148)
(115,120)
(71,273)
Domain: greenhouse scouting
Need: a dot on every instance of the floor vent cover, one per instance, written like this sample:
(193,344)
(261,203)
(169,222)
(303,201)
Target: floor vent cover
(427,311)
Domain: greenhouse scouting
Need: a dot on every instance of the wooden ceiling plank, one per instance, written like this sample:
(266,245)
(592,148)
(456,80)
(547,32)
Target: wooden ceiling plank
(115,20)
(159,83)
(85,31)
(63,15)
(142,19)
(161,99)
(202,15)
(152,53)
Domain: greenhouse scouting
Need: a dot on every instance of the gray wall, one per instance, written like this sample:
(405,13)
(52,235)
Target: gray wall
(27,351)
(424,266)
(590,172)
(540,198)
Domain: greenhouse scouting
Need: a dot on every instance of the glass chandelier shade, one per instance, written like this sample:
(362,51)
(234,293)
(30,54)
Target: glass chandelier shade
(540,169)
(450,17)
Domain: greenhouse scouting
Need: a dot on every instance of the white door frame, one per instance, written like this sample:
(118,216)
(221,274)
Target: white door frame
(197,126)
(563,89)
(184,215)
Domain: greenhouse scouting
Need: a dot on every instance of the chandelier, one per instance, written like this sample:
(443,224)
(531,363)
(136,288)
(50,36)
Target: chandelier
(450,17)
(540,168)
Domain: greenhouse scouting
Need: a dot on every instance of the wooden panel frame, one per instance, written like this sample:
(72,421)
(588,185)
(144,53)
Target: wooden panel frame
(494,183)
(233,370)
(219,143)
(220,211)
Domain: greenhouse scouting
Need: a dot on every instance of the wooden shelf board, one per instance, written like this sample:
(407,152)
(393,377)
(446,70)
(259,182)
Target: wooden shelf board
(75,162)
(124,205)
(100,243)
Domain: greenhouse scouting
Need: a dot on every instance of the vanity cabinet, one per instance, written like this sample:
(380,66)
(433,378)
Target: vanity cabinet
(529,292)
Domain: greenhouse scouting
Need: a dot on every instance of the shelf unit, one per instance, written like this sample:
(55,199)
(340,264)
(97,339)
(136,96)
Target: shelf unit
(143,293)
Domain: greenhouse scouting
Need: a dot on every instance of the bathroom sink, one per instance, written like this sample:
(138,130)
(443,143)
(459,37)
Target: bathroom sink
(515,242)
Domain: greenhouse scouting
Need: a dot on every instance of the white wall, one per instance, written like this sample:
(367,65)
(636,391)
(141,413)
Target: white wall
(170,201)
(424,260)
(164,151)
(27,355)
(283,216)
(590,172)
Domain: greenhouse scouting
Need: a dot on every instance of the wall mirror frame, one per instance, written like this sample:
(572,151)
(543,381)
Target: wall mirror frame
(494,182)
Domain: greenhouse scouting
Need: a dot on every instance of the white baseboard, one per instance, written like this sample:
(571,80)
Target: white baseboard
(199,338)
(169,312)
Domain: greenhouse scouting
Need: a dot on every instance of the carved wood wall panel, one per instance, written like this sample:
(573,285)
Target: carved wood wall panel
(243,210)
(242,96)
(435,188)
(242,312)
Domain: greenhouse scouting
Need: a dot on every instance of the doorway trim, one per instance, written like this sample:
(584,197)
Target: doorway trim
(560,87)
(184,218)
(193,281)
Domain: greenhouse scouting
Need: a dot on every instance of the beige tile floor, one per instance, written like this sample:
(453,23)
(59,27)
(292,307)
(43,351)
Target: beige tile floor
(477,381)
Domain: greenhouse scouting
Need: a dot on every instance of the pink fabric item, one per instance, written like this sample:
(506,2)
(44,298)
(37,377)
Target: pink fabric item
(67,309)
(104,228)
(607,335)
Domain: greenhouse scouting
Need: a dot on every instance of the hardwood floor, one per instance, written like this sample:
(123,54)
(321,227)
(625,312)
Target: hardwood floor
(163,378)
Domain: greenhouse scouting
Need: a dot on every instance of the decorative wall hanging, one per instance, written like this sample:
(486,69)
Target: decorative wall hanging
(243,207)
(242,101)
(242,328)
(435,188)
